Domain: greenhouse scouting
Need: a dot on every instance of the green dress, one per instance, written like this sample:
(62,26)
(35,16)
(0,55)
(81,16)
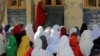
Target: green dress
(11,47)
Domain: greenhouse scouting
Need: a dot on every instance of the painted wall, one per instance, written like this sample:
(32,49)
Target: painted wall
(73,14)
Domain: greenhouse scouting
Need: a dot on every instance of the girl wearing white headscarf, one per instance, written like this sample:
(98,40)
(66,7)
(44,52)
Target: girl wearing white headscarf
(29,31)
(86,42)
(64,48)
(47,32)
(39,32)
(95,32)
(2,45)
(54,39)
(74,30)
(38,51)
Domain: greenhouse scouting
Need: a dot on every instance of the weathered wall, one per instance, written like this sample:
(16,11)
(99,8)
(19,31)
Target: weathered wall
(2,10)
(73,15)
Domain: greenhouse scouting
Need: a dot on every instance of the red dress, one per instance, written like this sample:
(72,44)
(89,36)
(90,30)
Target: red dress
(75,45)
(40,16)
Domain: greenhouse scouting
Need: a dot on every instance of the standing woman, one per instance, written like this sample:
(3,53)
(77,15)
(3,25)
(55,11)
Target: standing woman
(40,15)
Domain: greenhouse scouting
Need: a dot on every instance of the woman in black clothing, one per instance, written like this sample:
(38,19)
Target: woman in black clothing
(96,48)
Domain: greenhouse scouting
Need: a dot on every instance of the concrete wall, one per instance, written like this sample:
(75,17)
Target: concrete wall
(73,15)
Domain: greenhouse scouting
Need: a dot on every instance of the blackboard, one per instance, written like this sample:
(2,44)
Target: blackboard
(55,15)
(90,15)
(16,16)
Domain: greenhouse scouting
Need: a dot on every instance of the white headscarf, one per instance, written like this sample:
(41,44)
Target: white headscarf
(54,39)
(40,31)
(48,30)
(47,33)
(72,30)
(64,48)
(86,42)
(38,51)
(55,28)
(29,31)
(2,45)
(95,32)
(10,29)
(37,47)
(55,31)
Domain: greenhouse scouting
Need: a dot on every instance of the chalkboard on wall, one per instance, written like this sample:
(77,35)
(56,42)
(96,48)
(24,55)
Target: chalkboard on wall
(55,15)
(17,16)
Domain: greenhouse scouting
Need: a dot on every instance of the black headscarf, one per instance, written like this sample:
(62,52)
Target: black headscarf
(97,42)
(77,30)
(6,28)
(83,27)
(44,42)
